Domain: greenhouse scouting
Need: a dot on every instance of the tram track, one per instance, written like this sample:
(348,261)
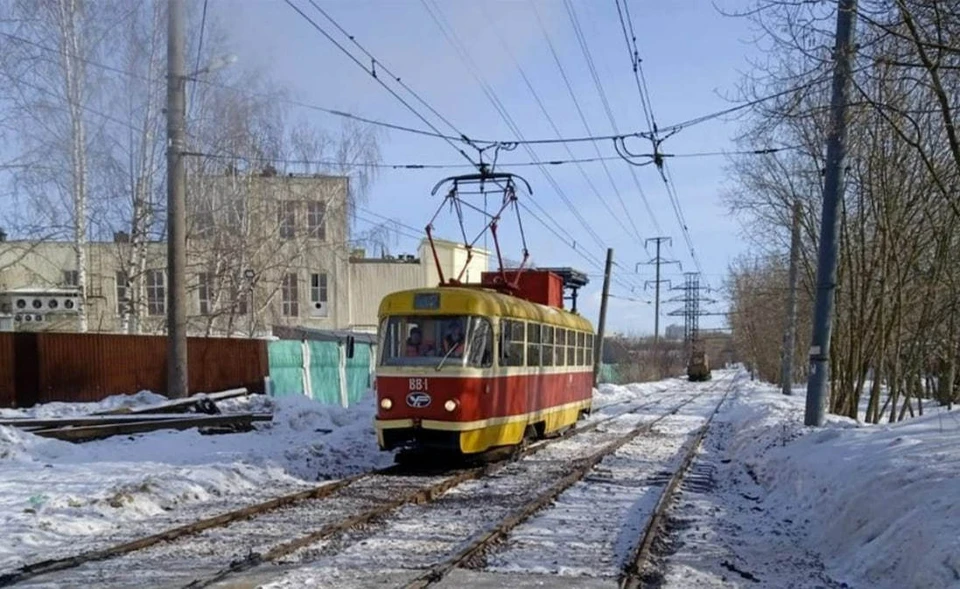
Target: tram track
(632,575)
(486,539)
(327,492)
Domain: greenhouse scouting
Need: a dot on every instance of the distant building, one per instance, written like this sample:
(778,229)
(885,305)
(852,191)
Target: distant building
(263,251)
(673,332)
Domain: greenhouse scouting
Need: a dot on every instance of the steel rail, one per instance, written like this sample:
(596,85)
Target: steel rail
(631,576)
(484,539)
(420,495)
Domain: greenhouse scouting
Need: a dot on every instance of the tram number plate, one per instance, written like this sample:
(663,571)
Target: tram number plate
(418,384)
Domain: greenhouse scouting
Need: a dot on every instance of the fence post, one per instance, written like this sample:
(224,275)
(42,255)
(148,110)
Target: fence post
(307,381)
(342,366)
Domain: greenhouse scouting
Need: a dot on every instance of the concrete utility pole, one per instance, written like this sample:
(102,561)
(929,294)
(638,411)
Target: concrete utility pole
(602,325)
(176,205)
(658,261)
(789,336)
(832,186)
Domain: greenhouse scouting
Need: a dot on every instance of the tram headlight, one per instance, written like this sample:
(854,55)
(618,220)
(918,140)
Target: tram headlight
(386,404)
(451,405)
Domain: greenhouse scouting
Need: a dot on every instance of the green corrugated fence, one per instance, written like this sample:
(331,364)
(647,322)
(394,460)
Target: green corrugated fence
(609,374)
(320,370)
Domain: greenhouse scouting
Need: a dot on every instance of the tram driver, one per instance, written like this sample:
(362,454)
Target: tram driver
(453,338)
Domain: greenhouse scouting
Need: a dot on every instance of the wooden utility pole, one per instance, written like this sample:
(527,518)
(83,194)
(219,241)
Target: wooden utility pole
(601,326)
(176,205)
(832,189)
(790,334)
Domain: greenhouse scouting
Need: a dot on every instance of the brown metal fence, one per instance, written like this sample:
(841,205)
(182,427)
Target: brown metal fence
(46,367)
(7,371)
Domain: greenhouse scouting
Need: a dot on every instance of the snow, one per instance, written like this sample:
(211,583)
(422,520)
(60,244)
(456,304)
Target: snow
(58,409)
(874,504)
(769,502)
(57,497)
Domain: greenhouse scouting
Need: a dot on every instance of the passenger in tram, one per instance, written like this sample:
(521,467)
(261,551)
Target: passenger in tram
(416,346)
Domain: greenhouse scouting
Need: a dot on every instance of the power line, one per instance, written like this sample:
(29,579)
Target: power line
(423,132)
(606,106)
(372,72)
(647,104)
(553,124)
(491,95)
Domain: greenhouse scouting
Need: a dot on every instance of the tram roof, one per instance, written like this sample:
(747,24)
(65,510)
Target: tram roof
(454,300)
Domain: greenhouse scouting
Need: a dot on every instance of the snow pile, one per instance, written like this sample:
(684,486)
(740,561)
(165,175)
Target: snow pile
(878,502)
(59,494)
(59,409)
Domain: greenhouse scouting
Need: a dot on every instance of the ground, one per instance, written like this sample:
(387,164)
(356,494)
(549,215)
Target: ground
(768,503)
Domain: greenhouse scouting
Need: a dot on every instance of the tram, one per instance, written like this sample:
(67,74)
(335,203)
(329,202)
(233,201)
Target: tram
(466,368)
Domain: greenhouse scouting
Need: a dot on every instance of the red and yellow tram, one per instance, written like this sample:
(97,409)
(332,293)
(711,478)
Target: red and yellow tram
(469,369)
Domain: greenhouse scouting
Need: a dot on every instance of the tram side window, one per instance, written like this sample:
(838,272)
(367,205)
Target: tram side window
(589,349)
(560,351)
(512,343)
(547,345)
(580,346)
(480,349)
(533,344)
(571,348)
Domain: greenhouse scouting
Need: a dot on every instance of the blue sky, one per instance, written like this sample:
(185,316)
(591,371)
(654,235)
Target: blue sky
(692,58)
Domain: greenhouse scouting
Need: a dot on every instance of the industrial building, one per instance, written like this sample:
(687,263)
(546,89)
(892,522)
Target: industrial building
(263,252)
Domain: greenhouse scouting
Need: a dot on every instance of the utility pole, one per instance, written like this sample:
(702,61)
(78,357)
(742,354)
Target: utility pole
(601,327)
(832,185)
(789,336)
(658,261)
(176,205)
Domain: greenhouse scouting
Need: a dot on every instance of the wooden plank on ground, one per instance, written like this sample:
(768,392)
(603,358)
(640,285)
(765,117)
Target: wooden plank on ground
(178,405)
(50,422)
(91,432)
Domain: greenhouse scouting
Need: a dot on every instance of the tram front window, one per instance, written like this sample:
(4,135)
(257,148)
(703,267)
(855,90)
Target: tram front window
(426,341)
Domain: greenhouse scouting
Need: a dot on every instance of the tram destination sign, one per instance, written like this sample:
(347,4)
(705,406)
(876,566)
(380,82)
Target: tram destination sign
(426,301)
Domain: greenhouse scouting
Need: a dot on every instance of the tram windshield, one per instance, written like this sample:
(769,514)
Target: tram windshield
(436,341)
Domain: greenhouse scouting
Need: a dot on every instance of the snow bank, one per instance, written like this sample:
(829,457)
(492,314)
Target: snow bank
(58,409)
(878,502)
(57,494)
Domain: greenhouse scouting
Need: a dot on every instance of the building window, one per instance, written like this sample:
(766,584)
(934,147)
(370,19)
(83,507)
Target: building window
(291,299)
(316,220)
(71,278)
(240,301)
(123,293)
(203,292)
(156,292)
(318,292)
(287,219)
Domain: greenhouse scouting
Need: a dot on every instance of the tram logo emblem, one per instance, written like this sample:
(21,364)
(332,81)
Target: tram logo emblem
(418,400)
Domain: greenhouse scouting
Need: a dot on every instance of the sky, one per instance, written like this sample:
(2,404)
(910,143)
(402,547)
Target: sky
(692,56)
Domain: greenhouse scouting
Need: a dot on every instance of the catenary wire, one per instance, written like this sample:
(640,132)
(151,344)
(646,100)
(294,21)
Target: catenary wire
(609,112)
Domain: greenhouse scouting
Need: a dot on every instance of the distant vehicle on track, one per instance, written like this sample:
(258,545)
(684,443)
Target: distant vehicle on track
(698,369)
